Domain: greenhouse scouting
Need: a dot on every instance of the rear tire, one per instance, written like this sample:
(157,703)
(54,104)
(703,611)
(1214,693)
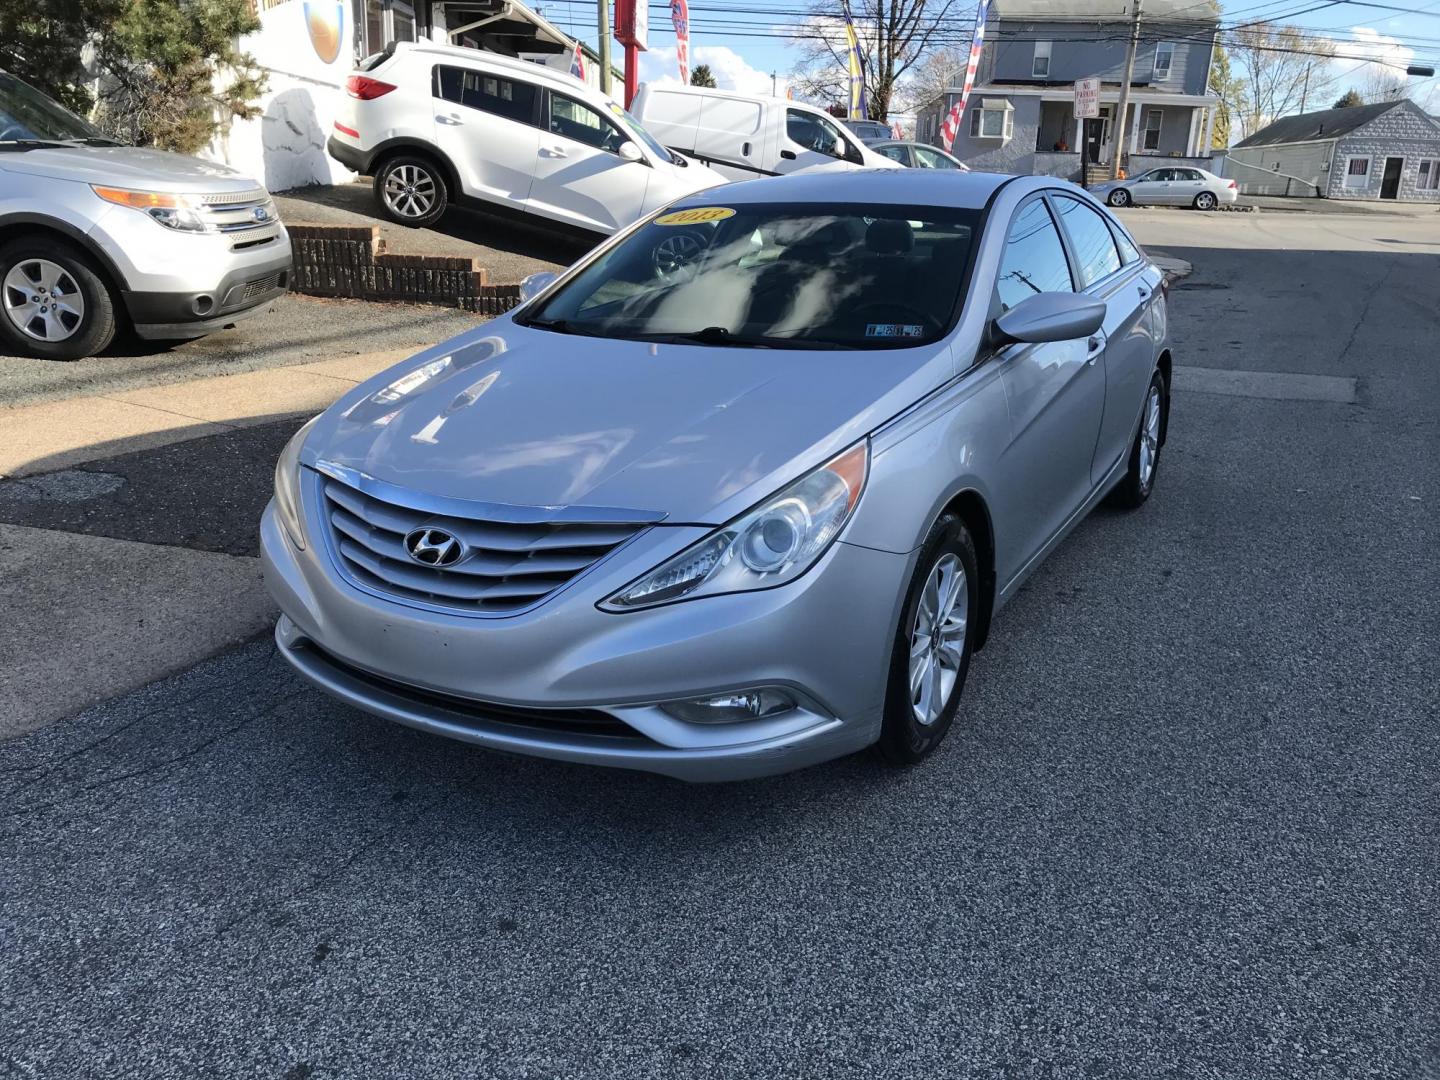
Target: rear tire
(1206,201)
(1119,197)
(934,641)
(411,190)
(53,302)
(1139,482)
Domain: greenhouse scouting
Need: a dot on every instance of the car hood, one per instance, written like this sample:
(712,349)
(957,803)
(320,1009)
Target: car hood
(524,417)
(129,167)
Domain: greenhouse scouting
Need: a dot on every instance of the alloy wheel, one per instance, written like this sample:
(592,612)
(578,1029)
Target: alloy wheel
(410,191)
(675,253)
(937,639)
(1119,198)
(1205,201)
(42,300)
(1150,439)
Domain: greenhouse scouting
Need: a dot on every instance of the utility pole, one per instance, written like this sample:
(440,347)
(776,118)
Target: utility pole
(1118,131)
(772,84)
(602,24)
(1304,94)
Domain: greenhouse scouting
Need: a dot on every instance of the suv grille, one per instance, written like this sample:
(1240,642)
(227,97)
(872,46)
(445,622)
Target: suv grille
(507,568)
(236,212)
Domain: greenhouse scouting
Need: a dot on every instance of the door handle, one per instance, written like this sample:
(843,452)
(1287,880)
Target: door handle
(788,155)
(452,119)
(553,151)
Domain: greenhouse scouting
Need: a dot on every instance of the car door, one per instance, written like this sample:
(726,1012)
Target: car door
(809,141)
(1130,351)
(925,158)
(1106,276)
(1055,390)
(1150,187)
(486,124)
(895,152)
(580,176)
(1187,184)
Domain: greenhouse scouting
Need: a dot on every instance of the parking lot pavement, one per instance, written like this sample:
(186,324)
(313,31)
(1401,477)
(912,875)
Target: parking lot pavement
(296,330)
(1186,828)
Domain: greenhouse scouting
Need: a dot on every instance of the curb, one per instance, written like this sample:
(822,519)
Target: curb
(350,261)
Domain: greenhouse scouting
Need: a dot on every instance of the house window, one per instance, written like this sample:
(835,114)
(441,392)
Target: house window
(379,22)
(1357,172)
(1153,119)
(1164,57)
(1040,66)
(1429,179)
(992,122)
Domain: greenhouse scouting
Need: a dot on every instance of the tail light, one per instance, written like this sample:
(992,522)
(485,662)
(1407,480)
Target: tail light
(1232,185)
(366,88)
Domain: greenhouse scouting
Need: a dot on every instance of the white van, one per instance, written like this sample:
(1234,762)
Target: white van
(742,137)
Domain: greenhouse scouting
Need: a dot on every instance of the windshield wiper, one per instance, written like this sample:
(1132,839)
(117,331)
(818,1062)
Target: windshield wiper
(97,140)
(34,144)
(562,326)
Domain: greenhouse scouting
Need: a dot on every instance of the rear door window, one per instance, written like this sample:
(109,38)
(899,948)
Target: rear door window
(1090,239)
(1034,261)
(494,94)
(896,153)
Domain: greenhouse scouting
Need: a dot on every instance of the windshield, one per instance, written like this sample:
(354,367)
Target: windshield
(638,130)
(780,275)
(27,114)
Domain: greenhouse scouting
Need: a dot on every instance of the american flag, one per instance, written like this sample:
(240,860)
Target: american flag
(577,63)
(951,127)
(680,16)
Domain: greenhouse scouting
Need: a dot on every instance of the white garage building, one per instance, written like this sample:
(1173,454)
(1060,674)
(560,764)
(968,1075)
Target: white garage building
(1390,150)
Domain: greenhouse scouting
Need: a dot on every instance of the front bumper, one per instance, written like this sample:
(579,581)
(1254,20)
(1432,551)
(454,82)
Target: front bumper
(241,293)
(515,683)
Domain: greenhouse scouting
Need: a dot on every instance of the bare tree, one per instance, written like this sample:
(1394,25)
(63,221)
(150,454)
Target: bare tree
(931,77)
(1383,84)
(895,35)
(1283,67)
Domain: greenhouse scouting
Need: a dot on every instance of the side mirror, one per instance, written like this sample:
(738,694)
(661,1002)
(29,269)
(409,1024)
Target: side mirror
(535,284)
(630,152)
(1057,316)
(841,149)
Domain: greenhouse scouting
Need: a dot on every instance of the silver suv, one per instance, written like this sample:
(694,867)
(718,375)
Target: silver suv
(94,234)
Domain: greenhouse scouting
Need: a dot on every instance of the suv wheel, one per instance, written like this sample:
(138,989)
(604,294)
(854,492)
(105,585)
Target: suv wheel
(53,302)
(411,190)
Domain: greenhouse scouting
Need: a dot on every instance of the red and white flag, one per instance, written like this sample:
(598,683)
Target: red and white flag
(577,62)
(680,16)
(951,125)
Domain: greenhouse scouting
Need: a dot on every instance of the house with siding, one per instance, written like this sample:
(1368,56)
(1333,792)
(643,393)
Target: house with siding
(1021,118)
(1389,150)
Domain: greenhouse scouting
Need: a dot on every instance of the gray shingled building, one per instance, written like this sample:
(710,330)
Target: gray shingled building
(1390,150)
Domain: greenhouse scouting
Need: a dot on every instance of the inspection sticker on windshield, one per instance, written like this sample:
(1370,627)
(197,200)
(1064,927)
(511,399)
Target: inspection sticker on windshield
(699,215)
(890,329)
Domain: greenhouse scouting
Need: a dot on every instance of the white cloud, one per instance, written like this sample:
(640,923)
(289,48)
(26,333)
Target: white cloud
(1369,56)
(731,70)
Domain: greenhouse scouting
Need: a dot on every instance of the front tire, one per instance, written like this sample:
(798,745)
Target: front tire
(1139,482)
(53,302)
(1205,201)
(1119,198)
(411,191)
(933,645)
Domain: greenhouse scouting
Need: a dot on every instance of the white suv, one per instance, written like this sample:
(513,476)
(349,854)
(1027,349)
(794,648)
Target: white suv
(436,124)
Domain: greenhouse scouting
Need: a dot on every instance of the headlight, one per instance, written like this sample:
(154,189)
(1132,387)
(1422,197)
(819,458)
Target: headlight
(172,211)
(774,543)
(287,486)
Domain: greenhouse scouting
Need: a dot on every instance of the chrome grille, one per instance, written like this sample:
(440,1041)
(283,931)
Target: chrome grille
(508,568)
(234,212)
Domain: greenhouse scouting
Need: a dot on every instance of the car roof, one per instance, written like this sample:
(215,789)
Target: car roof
(899,187)
(533,72)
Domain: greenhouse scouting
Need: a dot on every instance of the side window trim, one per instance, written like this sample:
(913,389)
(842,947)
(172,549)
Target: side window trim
(1099,283)
(1040,197)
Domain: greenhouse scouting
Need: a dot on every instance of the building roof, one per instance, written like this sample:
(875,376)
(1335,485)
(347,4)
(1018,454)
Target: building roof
(1325,124)
(1104,10)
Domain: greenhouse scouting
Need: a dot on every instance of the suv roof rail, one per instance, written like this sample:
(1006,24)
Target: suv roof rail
(482,56)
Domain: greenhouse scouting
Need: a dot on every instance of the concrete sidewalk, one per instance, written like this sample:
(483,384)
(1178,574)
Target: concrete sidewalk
(57,434)
(1311,205)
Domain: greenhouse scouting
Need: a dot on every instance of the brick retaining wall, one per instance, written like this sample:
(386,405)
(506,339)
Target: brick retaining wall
(351,261)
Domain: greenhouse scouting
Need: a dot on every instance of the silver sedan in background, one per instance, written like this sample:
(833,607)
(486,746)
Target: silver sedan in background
(917,155)
(1169,186)
(732,506)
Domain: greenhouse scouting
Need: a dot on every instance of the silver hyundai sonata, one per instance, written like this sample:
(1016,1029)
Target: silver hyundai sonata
(742,490)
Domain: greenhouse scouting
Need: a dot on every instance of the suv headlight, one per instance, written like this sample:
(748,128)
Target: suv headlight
(774,543)
(173,211)
(287,486)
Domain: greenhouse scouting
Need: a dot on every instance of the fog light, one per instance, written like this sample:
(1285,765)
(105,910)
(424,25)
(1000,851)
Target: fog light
(731,708)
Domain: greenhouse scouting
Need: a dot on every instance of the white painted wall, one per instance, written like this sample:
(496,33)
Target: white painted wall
(305,45)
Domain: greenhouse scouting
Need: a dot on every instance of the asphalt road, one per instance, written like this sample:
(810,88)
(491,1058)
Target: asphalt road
(1186,829)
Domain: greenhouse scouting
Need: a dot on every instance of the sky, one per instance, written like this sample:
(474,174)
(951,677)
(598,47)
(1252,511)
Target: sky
(729,39)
